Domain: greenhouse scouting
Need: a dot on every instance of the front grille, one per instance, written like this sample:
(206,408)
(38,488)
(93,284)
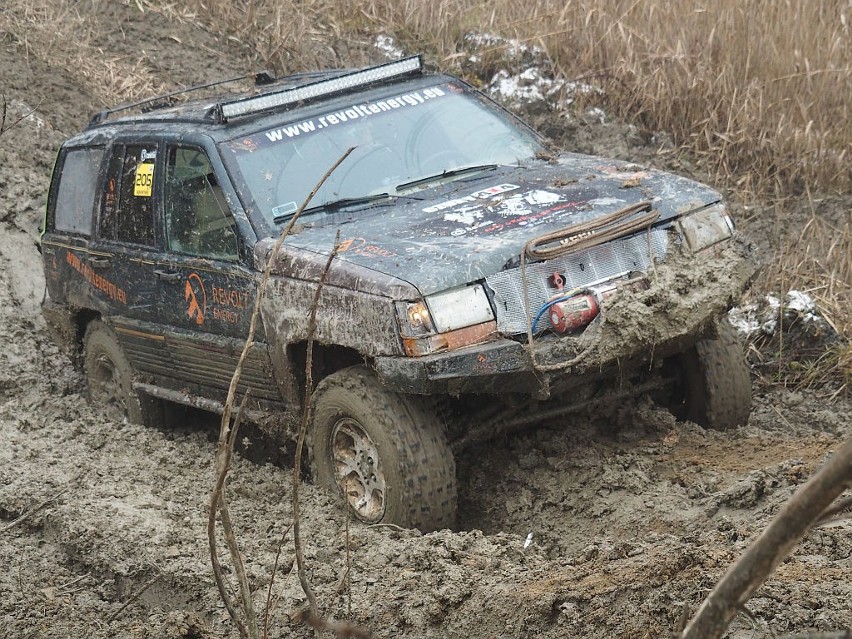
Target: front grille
(583,268)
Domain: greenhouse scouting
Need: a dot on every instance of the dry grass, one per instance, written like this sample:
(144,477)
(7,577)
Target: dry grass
(56,34)
(817,261)
(758,89)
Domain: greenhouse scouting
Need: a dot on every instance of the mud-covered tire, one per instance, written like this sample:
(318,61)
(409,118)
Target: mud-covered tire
(365,439)
(109,379)
(716,381)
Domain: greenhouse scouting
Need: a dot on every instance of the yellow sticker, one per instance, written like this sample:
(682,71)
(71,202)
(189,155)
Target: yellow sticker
(144,183)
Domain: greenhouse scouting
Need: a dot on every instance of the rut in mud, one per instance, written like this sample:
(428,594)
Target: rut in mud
(630,517)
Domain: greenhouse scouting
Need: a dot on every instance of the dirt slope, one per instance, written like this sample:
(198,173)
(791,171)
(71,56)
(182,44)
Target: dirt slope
(629,520)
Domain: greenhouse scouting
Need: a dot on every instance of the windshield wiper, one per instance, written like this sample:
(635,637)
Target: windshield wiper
(463,170)
(334,205)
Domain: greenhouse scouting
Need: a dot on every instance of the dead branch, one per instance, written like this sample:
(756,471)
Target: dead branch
(839,511)
(341,629)
(230,537)
(264,281)
(772,546)
(218,503)
(227,437)
(268,608)
(32,511)
(303,430)
(134,597)
(4,112)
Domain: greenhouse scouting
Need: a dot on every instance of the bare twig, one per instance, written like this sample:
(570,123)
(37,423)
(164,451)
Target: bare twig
(797,517)
(4,114)
(303,430)
(218,503)
(40,505)
(134,596)
(230,538)
(268,609)
(227,437)
(833,513)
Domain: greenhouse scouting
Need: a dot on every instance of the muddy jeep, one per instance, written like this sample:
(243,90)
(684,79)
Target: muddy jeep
(482,282)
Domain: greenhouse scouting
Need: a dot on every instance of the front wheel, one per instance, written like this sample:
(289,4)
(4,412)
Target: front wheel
(384,452)
(109,377)
(715,380)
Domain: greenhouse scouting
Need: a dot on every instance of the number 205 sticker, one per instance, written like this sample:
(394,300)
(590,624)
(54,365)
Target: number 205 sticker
(142,186)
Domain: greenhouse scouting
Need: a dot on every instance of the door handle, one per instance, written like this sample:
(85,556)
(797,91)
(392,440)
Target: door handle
(168,276)
(100,262)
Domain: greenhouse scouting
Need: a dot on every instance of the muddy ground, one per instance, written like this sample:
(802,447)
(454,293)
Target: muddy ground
(629,520)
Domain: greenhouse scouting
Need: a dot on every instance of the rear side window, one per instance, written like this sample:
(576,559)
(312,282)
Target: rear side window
(75,198)
(127,210)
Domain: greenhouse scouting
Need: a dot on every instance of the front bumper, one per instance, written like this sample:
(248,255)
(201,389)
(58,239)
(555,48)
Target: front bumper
(685,297)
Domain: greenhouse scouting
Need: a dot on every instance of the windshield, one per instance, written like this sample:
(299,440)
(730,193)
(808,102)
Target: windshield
(400,141)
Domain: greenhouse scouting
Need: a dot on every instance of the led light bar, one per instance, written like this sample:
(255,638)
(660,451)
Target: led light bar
(340,83)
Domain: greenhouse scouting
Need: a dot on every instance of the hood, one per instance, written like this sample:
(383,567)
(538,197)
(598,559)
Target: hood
(457,233)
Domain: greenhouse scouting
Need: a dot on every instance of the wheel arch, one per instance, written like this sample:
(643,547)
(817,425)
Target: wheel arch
(326,359)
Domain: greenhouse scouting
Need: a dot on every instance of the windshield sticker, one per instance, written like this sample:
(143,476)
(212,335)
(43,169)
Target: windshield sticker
(284,209)
(144,181)
(343,116)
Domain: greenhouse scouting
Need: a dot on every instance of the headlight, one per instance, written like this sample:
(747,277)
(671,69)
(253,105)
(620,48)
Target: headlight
(706,227)
(446,320)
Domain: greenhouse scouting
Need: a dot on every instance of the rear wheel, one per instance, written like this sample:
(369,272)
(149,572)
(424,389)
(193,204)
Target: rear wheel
(109,377)
(715,381)
(384,452)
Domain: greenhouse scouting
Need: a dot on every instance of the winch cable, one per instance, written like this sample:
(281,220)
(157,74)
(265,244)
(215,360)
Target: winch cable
(574,238)
(585,235)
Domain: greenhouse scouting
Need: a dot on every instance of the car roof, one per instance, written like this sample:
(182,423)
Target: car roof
(215,115)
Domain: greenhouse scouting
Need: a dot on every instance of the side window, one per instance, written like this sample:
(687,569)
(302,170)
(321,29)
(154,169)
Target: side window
(75,197)
(127,210)
(198,219)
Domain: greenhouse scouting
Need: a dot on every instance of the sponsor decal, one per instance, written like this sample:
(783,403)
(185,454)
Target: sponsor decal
(360,246)
(480,210)
(109,199)
(477,196)
(226,304)
(114,292)
(196,298)
(349,114)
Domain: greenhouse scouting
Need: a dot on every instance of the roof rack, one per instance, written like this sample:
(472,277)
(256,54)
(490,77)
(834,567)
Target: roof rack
(260,78)
(223,111)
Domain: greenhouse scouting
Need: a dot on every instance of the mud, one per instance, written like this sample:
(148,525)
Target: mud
(630,518)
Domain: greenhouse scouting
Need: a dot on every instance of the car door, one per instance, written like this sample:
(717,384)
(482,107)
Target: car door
(69,224)
(121,261)
(206,291)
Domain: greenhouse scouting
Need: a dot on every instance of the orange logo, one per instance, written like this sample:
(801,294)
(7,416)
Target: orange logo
(195,294)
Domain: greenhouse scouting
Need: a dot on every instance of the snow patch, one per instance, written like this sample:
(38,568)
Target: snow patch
(534,83)
(387,45)
(764,315)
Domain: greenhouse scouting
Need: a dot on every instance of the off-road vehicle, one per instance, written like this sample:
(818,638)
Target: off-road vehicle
(482,281)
